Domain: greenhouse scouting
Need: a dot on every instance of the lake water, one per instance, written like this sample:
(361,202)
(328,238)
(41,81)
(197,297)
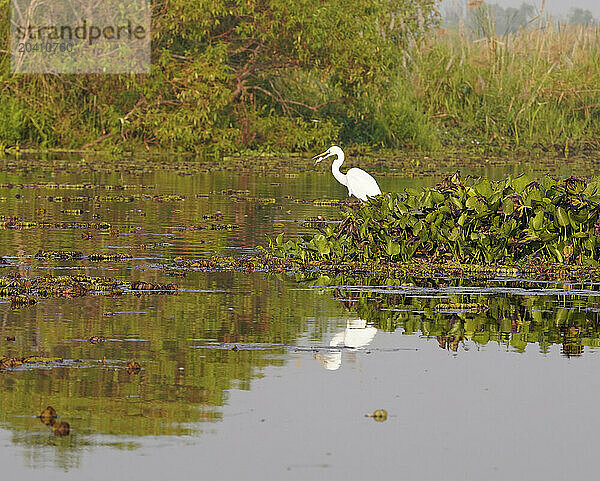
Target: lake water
(269,376)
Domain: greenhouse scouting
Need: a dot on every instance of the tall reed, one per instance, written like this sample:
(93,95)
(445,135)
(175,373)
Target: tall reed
(536,87)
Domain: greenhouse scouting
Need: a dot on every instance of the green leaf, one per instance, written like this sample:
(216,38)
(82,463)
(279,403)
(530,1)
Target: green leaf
(562,217)
(392,248)
(538,220)
(520,183)
(508,206)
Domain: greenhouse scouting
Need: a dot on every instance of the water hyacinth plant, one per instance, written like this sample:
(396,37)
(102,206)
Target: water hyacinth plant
(477,221)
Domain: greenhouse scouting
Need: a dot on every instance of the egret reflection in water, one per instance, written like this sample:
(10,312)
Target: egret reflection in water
(355,336)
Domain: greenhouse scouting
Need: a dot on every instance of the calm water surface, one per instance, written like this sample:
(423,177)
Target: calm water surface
(265,376)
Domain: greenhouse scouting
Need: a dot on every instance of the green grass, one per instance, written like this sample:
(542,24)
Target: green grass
(534,88)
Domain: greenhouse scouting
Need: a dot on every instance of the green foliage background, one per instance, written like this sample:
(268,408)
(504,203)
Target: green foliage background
(252,75)
(233,75)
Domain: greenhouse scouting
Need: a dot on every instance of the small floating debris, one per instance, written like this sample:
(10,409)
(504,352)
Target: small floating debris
(378,415)
(48,416)
(216,216)
(176,273)
(61,428)
(133,367)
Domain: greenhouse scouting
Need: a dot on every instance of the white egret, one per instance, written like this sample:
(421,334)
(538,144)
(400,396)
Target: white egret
(360,184)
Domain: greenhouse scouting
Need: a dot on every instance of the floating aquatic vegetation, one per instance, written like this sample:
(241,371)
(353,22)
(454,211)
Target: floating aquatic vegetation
(378,415)
(35,362)
(133,367)
(48,416)
(15,362)
(68,255)
(80,186)
(21,289)
(241,263)
(420,272)
(326,202)
(59,255)
(16,223)
(21,300)
(215,216)
(61,428)
(318,222)
(214,227)
(480,222)
(148,286)
(40,360)
(10,362)
(109,257)
(27,291)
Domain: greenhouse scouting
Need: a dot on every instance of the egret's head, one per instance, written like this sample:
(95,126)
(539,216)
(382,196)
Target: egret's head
(333,150)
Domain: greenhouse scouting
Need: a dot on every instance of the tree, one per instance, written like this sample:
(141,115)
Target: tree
(233,73)
(580,16)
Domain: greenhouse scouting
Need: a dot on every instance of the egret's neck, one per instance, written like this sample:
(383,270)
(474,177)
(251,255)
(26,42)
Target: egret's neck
(335,169)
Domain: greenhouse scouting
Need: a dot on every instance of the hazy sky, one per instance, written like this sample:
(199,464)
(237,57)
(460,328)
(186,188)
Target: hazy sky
(557,7)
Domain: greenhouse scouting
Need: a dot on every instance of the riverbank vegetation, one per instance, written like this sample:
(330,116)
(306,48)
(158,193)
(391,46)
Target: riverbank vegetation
(271,77)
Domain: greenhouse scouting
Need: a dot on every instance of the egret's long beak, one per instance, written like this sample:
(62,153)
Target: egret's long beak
(318,158)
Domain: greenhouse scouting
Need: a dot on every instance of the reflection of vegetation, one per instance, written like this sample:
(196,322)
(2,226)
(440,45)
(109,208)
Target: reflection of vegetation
(505,318)
(183,344)
(483,222)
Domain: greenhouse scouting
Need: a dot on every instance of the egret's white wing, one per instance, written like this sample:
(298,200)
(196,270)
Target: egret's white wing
(361,184)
